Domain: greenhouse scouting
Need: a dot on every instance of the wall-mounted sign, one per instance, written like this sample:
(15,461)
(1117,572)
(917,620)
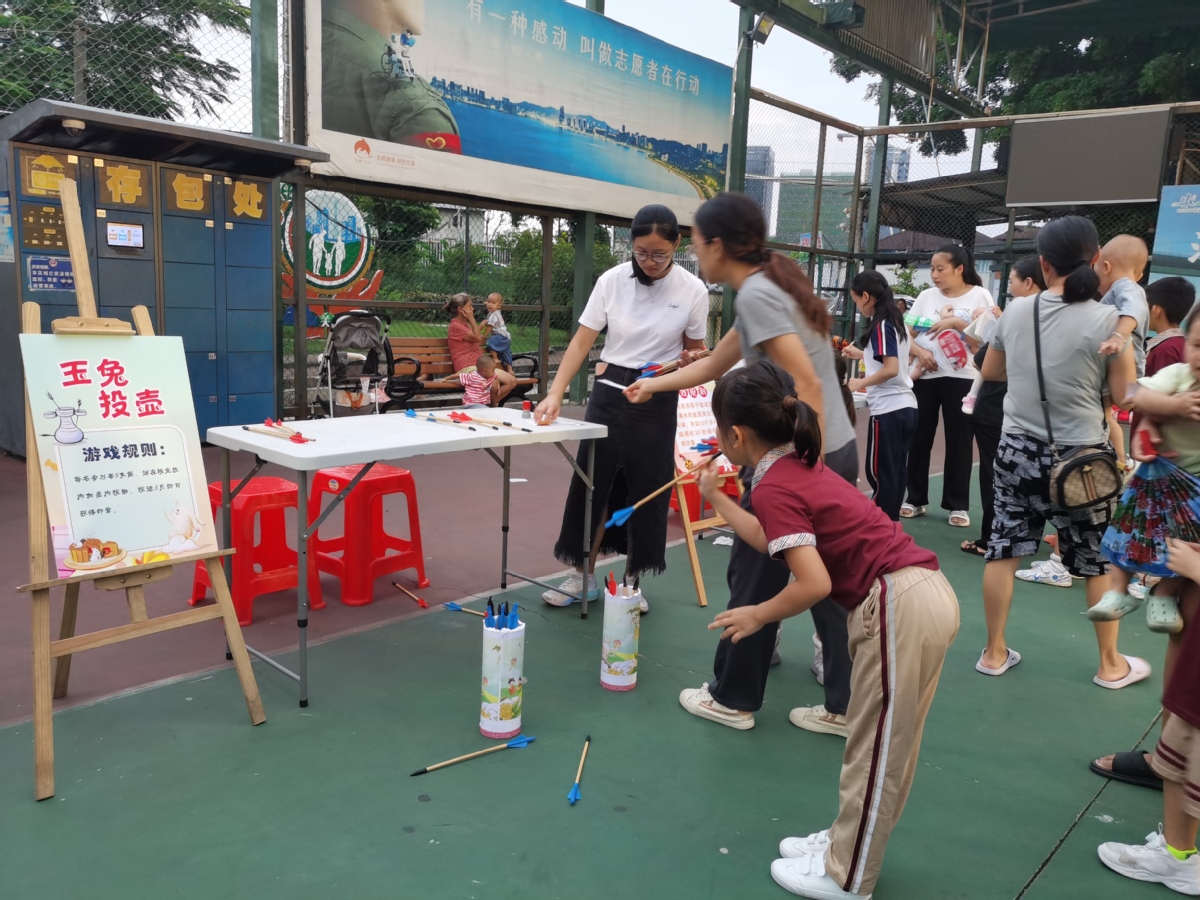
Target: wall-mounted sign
(7,245)
(42,228)
(123,184)
(1177,237)
(42,171)
(339,246)
(119,449)
(49,273)
(536,101)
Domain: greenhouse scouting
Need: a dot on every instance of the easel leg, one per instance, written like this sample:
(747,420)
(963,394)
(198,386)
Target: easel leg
(62,665)
(136,598)
(302,580)
(690,540)
(43,702)
(237,646)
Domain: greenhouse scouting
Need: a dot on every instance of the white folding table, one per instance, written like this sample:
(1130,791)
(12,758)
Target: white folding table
(366,440)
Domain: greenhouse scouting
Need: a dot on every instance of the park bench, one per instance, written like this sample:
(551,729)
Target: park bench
(421,369)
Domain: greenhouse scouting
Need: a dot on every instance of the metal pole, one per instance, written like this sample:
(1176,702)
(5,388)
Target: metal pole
(596,6)
(962,35)
(818,185)
(506,468)
(1008,254)
(977,151)
(302,580)
(467,249)
(735,172)
(877,169)
(264,67)
(853,243)
(297,64)
(300,298)
(547,301)
(983,55)
(585,275)
(79,35)
(589,498)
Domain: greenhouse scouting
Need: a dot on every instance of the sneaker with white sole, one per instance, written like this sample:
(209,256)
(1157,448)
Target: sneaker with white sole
(819,719)
(805,876)
(1051,573)
(795,847)
(1054,561)
(818,663)
(643,606)
(568,591)
(699,702)
(1137,590)
(1153,862)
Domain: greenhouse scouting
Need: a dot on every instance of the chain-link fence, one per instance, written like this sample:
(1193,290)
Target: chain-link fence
(186,60)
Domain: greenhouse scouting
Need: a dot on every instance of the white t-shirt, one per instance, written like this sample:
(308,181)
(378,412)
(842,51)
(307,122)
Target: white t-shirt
(646,323)
(928,306)
(495,321)
(897,392)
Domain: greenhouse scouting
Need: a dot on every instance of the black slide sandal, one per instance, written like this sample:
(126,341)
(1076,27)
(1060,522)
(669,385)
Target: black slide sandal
(973,548)
(1130,767)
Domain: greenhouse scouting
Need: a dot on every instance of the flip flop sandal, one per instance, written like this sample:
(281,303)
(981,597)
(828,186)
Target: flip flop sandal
(972,548)
(1139,670)
(964,520)
(1013,658)
(908,511)
(1130,767)
(1162,615)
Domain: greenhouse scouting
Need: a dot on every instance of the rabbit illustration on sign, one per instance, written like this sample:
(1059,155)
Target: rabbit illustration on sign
(185,528)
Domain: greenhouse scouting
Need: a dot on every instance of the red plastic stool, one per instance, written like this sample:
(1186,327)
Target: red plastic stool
(364,544)
(696,503)
(269,565)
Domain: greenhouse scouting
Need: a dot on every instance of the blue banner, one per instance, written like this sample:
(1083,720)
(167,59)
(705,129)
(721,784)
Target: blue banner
(1177,237)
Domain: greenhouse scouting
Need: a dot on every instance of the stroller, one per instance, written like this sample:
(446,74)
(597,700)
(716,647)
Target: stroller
(356,364)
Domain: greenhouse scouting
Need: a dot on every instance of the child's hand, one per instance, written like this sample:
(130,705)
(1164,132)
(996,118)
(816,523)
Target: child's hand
(1183,559)
(1111,346)
(708,479)
(851,352)
(738,623)
(1187,405)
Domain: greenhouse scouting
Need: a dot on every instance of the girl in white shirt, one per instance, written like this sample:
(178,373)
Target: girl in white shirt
(653,311)
(957,283)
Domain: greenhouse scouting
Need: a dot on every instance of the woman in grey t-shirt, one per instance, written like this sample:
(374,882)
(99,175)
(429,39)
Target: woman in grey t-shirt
(780,318)
(1072,327)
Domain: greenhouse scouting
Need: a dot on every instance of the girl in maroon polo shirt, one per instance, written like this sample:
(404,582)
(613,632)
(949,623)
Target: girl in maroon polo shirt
(904,615)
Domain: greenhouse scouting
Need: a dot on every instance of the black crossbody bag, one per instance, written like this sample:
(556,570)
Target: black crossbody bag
(1087,477)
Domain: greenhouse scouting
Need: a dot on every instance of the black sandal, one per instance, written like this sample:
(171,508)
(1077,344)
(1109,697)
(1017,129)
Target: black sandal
(1130,767)
(973,548)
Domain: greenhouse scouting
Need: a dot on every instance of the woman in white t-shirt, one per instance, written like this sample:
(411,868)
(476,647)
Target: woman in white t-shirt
(884,349)
(653,310)
(957,284)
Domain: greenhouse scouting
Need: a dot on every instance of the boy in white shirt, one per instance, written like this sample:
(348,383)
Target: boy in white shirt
(495,333)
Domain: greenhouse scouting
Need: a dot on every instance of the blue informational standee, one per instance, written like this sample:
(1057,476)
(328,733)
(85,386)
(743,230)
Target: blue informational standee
(1177,237)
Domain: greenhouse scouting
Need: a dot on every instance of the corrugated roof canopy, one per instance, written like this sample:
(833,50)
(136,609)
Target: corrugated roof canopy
(1019,24)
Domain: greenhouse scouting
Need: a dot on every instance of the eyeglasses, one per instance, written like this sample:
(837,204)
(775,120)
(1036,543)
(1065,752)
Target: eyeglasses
(692,249)
(658,258)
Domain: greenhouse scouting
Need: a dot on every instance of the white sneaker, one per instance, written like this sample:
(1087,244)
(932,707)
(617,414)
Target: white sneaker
(699,702)
(1152,862)
(1054,560)
(805,876)
(568,591)
(1137,590)
(1051,573)
(795,847)
(818,663)
(819,719)
(643,606)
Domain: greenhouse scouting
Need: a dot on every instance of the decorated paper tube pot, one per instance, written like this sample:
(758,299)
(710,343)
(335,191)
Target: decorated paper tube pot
(619,646)
(503,684)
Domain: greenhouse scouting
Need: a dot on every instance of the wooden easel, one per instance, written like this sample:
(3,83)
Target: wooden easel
(47,685)
(692,529)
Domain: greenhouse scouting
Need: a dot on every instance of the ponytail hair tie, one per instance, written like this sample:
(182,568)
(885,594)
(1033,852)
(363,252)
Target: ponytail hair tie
(789,402)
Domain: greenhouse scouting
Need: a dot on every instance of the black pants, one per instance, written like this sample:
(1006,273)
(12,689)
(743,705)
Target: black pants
(987,438)
(636,459)
(740,670)
(888,438)
(945,394)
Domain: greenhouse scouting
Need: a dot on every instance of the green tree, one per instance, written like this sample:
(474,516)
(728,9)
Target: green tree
(397,227)
(906,282)
(141,58)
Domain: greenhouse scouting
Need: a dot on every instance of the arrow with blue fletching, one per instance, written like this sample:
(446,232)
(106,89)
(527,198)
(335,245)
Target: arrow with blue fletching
(515,744)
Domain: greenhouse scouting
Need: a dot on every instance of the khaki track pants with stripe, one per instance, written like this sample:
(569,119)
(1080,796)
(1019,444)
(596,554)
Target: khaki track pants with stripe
(899,637)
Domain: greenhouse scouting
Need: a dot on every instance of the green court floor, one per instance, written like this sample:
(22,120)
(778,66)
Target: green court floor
(171,793)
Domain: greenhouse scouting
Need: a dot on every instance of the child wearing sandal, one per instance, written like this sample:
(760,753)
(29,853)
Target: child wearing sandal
(904,615)
(1169,394)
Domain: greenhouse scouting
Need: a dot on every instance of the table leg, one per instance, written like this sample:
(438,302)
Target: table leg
(302,580)
(227,528)
(587,524)
(506,468)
